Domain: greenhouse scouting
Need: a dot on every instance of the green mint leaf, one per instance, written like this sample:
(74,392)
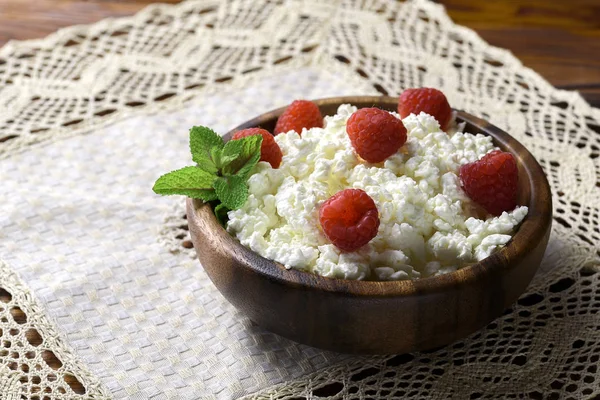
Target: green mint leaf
(248,156)
(205,195)
(215,155)
(221,214)
(231,151)
(202,141)
(188,181)
(208,165)
(232,191)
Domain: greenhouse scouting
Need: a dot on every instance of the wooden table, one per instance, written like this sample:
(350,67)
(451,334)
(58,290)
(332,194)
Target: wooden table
(560,39)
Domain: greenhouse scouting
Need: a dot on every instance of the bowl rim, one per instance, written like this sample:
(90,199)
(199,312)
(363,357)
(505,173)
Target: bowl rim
(530,232)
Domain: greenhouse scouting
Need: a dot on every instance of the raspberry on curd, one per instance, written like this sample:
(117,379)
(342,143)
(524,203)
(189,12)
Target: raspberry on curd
(428,225)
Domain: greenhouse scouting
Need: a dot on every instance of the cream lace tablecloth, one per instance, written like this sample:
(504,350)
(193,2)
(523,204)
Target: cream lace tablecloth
(102,298)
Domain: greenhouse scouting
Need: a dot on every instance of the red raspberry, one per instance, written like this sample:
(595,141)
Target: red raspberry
(375,134)
(269,149)
(430,101)
(349,219)
(492,181)
(300,114)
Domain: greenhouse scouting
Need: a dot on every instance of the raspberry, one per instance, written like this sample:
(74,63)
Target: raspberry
(492,181)
(375,134)
(300,114)
(349,219)
(269,149)
(430,101)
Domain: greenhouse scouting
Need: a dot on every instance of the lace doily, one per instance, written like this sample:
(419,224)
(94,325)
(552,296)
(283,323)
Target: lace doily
(148,322)
(34,360)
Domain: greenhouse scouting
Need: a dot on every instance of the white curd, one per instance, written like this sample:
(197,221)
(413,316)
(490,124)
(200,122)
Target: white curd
(427,223)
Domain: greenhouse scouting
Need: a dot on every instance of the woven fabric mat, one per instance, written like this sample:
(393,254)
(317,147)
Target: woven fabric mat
(99,296)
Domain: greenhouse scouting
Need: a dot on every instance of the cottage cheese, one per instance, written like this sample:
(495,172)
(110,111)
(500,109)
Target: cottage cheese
(427,224)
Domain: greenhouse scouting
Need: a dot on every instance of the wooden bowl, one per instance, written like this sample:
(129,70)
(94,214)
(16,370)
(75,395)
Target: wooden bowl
(379,317)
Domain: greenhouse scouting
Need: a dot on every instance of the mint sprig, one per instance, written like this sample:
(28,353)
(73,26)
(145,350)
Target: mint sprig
(204,142)
(188,181)
(221,171)
(232,191)
(242,155)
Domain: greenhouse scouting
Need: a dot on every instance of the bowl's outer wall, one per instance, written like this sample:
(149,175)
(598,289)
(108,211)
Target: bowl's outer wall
(378,317)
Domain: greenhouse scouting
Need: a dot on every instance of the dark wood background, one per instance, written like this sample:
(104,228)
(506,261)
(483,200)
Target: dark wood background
(560,39)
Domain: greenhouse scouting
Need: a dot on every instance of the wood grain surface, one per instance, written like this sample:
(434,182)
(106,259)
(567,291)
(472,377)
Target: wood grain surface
(560,39)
